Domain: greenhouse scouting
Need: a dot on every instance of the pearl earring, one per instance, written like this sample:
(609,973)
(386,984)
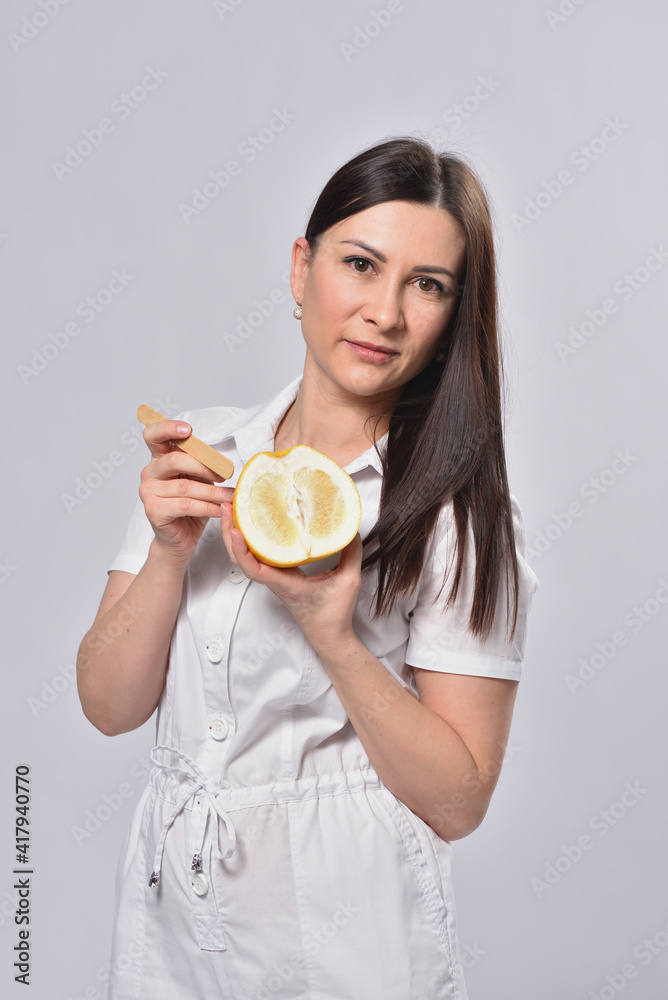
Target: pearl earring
(297,312)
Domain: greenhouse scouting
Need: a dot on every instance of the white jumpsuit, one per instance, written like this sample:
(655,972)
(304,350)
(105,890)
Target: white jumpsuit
(282,866)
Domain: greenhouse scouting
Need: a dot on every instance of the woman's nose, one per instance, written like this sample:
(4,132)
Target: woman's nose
(384,306)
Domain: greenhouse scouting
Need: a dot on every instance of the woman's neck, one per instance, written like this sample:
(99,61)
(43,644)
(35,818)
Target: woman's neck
(331,422)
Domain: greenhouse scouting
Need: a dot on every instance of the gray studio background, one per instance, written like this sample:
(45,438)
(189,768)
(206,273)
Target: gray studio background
(561,108)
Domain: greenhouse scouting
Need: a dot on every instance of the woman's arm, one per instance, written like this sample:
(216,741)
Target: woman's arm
(122,660)
(441,755)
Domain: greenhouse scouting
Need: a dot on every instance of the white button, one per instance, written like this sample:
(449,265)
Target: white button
(215,651)
(219,728)
(236,574)
(200,884)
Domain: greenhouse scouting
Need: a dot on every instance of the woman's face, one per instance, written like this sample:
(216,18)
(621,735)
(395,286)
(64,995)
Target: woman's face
(378,294)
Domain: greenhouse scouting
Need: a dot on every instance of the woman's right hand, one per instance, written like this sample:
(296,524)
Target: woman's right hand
(177,491)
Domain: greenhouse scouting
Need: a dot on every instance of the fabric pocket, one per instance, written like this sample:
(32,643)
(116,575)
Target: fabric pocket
(430,871)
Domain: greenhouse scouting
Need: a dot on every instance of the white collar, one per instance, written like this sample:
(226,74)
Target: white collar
(258,434)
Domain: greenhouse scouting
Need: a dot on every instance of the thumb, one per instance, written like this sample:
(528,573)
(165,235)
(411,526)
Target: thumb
(352,552)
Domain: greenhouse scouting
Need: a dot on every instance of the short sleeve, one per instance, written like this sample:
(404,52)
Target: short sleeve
(439,638)
(138,537)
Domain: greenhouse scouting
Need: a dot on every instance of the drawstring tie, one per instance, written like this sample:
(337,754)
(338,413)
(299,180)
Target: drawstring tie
(212,806)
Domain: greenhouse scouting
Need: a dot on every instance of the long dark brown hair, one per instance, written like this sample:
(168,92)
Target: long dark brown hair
(445,440)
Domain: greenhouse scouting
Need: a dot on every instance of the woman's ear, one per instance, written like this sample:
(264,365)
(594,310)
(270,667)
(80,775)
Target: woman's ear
(300,261)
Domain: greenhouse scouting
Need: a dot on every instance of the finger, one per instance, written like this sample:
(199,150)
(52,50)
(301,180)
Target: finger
(176,463)
(350,562)
(239,545)
(163,511)
(159,436)
(285,582)
(239,552)
(351,554)
(167,499)
(241,555)
(225,527)
(234,541)
(169,489)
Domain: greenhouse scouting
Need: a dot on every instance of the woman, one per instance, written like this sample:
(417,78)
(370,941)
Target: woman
(324,732)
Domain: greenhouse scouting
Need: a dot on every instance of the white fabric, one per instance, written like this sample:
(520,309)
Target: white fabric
(321,883)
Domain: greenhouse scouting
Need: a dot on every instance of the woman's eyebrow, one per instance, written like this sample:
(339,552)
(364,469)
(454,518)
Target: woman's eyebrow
(383,259)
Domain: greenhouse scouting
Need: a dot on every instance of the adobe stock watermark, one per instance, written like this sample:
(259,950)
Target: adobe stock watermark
(266,649)
(7,569)
(364,35)
(106,973)
(50,691)
(94,819)
(121,108)
(382,700)
(444,812)
(624,288)
(8,907)
(223,7)
(88,309)
(595,487)
(470,955)
(248,150)
(645,951)
(635,620)
(601,824)
(33,24)
(103,469)
(101,635)
(565,10)
(254,319)
(582,158)
(461,111)
(313,942)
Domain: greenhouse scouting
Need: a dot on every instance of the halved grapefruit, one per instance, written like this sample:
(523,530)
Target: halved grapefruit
(295,506)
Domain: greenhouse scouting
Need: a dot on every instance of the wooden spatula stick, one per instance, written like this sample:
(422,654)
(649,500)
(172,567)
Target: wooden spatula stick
(192,445)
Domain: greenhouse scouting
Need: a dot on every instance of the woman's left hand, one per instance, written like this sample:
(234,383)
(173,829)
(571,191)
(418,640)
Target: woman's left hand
(322,605)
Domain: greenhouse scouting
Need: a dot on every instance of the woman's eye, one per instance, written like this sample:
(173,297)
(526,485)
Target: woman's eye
(432,286)
(363,262)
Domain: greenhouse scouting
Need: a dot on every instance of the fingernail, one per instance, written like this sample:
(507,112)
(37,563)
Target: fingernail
(183,429)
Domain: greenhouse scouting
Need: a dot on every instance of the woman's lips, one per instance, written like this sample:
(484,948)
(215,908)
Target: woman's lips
(371,353)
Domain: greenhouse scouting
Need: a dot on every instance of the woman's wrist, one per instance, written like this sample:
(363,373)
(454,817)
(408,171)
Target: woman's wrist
(167,559)
(337,646)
